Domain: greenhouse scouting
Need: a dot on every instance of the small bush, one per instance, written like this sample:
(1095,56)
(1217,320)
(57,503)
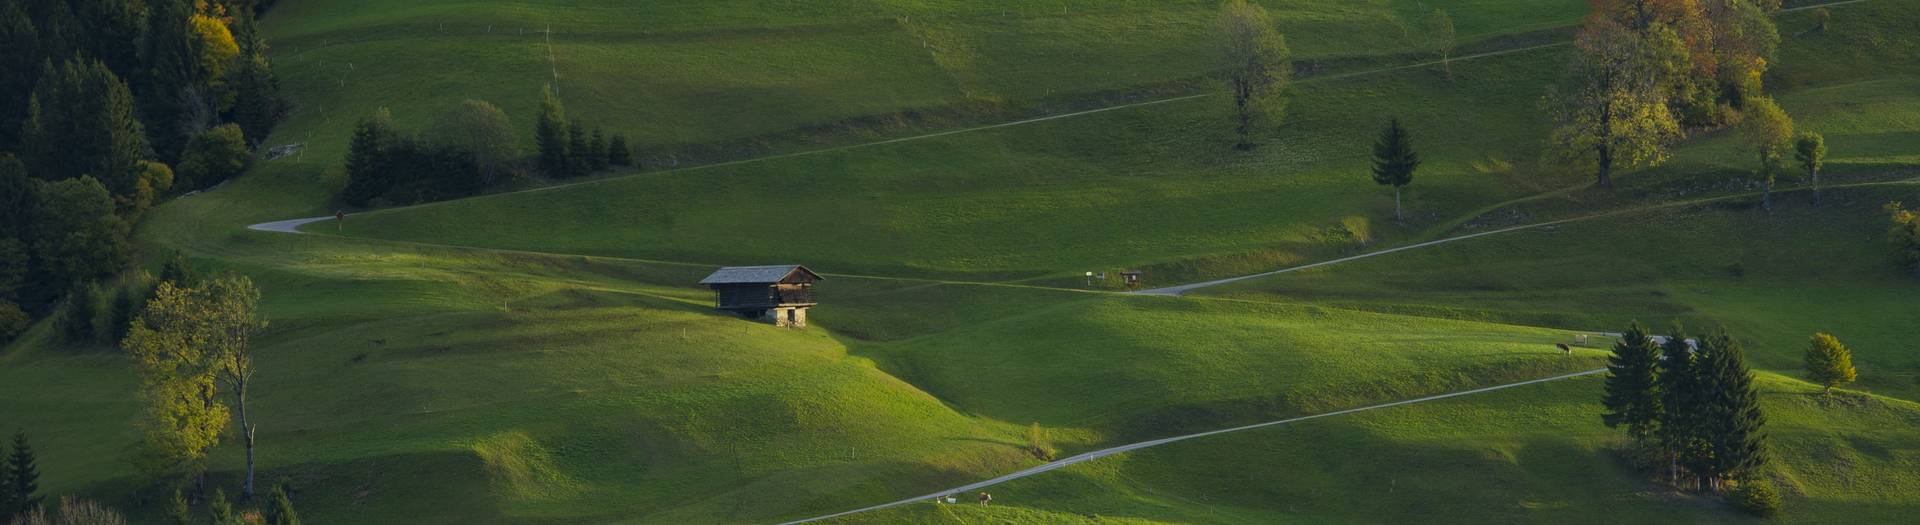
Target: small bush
(1038,444)
(13,321)
(77,315)
(1756,497)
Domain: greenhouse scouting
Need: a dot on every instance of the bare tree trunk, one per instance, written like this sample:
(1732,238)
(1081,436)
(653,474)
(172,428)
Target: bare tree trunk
(1606,167)
(1766,196)
(1816,185)
(1396,205)
(246,491)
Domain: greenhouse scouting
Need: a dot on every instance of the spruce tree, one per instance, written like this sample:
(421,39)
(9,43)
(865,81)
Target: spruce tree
(20,58)
(1731,424)
(579,154)
(23,476)
(550,134)
(1394,161)
(76,317)
(367,176)
(81,121)
(597,151)
(1829,363)
(257,105)
(6,485)
(279,510)
(172,82)
(1679,380)
(220,511)
(618,152)
(1633,395)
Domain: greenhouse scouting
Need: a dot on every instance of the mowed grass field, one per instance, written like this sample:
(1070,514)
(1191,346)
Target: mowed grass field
(1533,454)
(1154,186)
(407,379)
(538,388)
(1773,279)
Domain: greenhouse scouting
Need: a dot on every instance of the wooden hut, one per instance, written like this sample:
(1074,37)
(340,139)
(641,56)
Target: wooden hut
(779,294)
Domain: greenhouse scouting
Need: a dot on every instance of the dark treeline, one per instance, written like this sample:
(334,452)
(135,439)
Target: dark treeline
(107,107)
(466,150)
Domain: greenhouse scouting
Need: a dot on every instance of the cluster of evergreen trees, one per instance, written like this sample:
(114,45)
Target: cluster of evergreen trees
(466,150)
(104,102)
(568,150)
(387,165)
(1693,404)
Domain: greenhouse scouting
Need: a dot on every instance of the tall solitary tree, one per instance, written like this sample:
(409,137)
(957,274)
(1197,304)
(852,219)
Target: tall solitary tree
(1614,114)
(1633,390)
(550,135)
(1394,161)
(181,415)
(1440,31)
(231,314)
(1767,132)
(1828,362)
(1258,67)
(1810,150)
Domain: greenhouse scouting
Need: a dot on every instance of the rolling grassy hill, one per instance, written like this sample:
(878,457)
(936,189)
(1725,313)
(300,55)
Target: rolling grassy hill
(1534,454)
(1775,279)
(1151,186)
(409,379)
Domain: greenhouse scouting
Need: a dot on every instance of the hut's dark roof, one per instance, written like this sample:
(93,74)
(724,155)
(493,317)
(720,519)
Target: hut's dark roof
(756,274)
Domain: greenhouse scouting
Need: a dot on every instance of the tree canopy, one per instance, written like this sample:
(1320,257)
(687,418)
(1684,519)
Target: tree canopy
(1258,67)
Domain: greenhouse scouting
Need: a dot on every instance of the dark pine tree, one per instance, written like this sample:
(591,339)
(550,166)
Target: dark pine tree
(367,172)
(257,105)
(172,83)
(579,151)
(20,58)
(1633,391)
(23,476)
(1680,397)
(550,134)
(597,149)
(1730,419)
(110,32)
(618,152)
(81,122)
(16,198)
(279,509)
(1394,161)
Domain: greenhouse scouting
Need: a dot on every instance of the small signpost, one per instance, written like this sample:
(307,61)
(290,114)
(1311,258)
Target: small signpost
(339,221)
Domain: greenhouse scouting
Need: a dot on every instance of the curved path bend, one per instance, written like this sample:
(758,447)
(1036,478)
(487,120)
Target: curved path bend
(286,226)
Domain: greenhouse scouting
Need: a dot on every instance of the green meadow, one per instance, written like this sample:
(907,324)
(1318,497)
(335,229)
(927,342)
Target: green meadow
(543,356)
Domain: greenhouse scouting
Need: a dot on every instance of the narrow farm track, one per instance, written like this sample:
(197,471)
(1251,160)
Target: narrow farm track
(1338,76)
(1097,454)
(1184,288)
